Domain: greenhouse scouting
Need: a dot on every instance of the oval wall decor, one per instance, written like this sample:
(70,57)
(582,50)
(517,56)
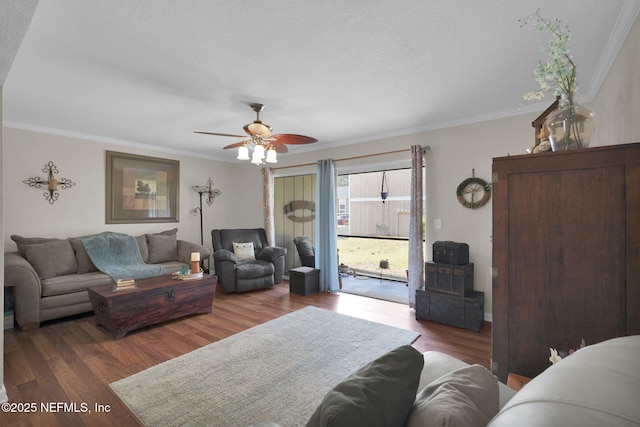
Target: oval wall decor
(300,205)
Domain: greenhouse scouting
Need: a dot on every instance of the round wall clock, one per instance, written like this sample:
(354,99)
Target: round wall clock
(473,192)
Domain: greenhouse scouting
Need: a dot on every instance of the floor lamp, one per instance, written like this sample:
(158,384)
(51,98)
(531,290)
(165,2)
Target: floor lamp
(211,194)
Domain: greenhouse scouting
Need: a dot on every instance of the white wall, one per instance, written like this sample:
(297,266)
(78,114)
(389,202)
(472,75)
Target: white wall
(80,210)
(617,104)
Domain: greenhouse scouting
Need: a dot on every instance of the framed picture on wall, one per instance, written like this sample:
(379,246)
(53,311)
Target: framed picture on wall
(141,189)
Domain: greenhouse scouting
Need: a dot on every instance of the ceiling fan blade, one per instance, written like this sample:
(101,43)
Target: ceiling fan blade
(219,134)
(280,148)
(292,138)
(237,144)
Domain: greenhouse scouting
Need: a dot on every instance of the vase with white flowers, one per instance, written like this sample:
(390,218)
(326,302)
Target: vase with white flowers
(572,124)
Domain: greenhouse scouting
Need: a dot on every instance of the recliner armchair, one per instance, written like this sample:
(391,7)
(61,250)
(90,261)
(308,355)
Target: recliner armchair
(306,251)
(236,275)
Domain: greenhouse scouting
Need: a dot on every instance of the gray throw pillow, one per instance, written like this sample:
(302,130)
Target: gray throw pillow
(379,394)
(143,246)
(162,248)
(21,242)
(52,259)
(85,265)
(466,397)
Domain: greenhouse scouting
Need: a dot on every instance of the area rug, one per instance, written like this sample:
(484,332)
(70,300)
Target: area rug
(275,372)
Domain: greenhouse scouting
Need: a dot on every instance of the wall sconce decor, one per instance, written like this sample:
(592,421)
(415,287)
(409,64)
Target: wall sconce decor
(51,182)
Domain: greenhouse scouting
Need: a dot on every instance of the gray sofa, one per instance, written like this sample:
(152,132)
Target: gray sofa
(50,277)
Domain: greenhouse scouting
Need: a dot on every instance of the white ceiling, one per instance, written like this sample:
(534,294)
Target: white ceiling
(342,71)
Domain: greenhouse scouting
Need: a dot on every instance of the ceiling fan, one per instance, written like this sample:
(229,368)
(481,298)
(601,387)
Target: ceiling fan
(261,141)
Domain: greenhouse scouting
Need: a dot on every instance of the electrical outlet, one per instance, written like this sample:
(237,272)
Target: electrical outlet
(437,224)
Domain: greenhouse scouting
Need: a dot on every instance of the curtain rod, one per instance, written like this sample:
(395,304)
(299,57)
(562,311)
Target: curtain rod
(425,148)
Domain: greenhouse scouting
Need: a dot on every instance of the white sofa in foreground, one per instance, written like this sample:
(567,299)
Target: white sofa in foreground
(598,385)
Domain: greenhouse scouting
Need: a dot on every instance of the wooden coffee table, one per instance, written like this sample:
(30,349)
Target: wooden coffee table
(155,300)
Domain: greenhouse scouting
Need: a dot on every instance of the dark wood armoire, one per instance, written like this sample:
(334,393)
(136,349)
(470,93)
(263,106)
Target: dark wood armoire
(566,237)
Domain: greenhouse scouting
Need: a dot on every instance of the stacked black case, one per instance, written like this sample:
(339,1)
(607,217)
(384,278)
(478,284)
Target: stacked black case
(448,297)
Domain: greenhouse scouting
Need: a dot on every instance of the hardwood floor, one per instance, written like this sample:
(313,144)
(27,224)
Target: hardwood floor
(72,361)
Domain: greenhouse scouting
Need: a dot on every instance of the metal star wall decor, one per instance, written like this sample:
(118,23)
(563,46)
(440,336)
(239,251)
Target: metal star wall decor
(212,193)
(51,182)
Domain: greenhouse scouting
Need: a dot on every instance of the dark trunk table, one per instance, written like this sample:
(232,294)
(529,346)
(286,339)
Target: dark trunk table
(155,300)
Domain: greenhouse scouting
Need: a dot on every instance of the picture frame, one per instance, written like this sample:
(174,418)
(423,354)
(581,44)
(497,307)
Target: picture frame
(141,189)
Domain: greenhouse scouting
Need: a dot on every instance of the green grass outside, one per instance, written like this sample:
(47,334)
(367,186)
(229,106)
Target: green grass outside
(366,254)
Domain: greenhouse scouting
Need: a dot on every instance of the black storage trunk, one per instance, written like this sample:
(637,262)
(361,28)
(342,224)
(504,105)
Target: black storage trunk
(450,252)
(449,278)
(463,312)
(304,280)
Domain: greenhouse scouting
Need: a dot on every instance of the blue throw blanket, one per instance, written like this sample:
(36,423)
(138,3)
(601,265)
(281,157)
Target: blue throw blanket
(118,255)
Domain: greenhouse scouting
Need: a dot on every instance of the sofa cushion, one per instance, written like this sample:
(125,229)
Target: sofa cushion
(72,283)
(379,394)
(597,385)
(162,248)
(85,265)
(52,259)
(465,397)
(244,251)
(22,241)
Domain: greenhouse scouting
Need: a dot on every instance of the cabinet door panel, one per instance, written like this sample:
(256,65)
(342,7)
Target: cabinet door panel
(566,262)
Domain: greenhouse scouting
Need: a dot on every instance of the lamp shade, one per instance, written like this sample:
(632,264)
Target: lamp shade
(258,150)
(256,159)
(272,156)
(243,153)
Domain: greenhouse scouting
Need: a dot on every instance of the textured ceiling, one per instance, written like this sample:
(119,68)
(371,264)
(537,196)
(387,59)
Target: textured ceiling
(153,71)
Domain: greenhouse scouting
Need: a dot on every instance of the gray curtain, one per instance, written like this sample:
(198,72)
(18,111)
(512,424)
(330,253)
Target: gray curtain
(326,226)
(267,205)
(416,227)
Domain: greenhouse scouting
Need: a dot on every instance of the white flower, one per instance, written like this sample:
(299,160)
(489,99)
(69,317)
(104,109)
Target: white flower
(559,71)
(554,356)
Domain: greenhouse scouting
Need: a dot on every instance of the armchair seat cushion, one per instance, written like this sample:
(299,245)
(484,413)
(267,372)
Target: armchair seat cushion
(253,269)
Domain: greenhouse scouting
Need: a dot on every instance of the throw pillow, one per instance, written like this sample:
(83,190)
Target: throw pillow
(162,248)
(244,251)
(52,259)
(379,394)
(85,265)
(143,246)
(21,242)
(465,397)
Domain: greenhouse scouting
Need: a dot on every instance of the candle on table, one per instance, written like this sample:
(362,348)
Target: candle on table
(195,262)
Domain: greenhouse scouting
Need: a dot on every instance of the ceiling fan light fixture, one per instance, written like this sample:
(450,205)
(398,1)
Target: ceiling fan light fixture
(243,153)
(255,159)
(260,142)
(272,156)
(258,154)
(258,128)
(258,150)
